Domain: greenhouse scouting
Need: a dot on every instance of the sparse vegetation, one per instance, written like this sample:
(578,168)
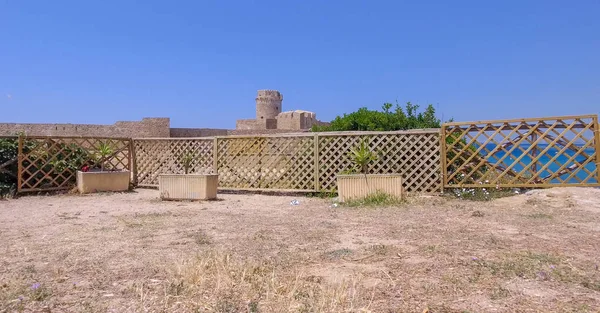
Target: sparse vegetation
(481,194)
(200,237)
(378,199)
(322,194)
(227,284)
(539,215)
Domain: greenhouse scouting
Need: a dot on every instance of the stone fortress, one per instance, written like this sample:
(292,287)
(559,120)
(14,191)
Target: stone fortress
(269,115)
(269,120)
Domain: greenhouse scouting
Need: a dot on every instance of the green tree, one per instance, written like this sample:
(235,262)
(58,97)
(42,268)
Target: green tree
(385,120)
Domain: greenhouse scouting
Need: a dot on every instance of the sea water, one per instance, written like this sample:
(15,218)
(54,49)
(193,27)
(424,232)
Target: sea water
(550,160)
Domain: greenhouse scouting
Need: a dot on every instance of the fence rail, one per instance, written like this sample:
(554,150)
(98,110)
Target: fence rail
(299,162)
(536,152)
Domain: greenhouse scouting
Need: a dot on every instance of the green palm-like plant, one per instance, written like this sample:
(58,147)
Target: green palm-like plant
(361,156)
(187,159)
(104,151)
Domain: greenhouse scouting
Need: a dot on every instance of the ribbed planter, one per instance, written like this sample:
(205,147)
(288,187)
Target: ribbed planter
(188,186)
(89,182)
(357,186)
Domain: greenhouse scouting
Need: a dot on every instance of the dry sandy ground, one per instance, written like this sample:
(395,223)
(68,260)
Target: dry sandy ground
(257,253)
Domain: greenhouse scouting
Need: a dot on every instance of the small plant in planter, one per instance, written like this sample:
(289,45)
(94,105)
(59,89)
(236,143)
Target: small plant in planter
(358,184)
(186,160)
(104,151)
(188,186)
(98,180)
(361,156)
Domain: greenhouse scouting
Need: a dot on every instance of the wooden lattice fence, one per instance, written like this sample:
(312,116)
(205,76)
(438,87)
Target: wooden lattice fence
(164,156)
(299,162)
(544,152)
(269,162)
(414,154)
(51,163)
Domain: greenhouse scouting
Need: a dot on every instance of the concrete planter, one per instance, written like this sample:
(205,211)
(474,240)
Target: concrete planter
(357,186)
(88,182)
(188,186)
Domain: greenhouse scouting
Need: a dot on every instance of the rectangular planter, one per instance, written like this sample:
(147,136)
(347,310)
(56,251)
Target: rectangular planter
(188,186)
(88,182)
(357,186)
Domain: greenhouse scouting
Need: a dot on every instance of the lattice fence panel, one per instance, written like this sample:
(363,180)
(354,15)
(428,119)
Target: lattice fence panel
(279,163)
(51,163)
(414,155)
(541,152)
(165,156)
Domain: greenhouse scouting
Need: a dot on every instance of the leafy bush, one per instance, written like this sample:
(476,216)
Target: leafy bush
(8,158)
(55,161)
(385,120)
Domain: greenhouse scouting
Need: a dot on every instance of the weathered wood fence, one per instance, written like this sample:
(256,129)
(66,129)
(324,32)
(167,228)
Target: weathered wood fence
(543,152)
(299,162)
(546,152)
(51,163)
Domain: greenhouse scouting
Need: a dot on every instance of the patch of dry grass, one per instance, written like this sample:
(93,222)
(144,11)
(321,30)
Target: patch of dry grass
(217,281)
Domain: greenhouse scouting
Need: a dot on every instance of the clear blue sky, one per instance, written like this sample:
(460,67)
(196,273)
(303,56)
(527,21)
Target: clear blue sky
(201,62)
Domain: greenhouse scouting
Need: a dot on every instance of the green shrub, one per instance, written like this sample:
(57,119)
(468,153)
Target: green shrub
(385,120)
(8,174)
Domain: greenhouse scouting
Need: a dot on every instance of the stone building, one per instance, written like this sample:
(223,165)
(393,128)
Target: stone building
(269,115)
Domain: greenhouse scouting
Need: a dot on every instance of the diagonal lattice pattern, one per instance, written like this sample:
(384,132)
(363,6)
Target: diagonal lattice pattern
(307,162)
(51,163)
(522,153)
(283,163)
(414,155)
(165,156)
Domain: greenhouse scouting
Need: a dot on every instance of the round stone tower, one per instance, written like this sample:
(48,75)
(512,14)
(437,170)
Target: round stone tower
(268,104)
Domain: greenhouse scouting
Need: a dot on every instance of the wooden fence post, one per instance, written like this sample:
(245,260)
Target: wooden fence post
(132,162)
(216,155)
(317,165)
(20,158)
(443,155)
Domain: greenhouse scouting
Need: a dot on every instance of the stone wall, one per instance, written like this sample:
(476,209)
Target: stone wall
(250,132)
(147,127)
(197,132)
(247,124)
(296,120)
